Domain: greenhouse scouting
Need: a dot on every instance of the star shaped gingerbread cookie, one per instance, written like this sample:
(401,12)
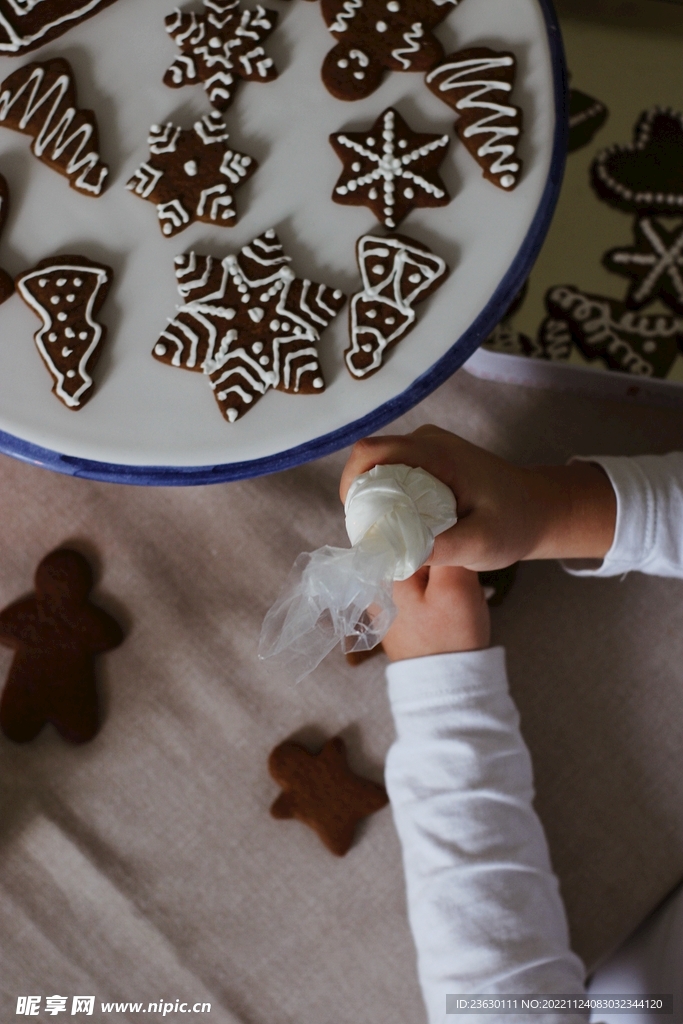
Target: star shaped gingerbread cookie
(219,48)
(248,323)
(655,263)
(192,174)
(390,168)
(321,791)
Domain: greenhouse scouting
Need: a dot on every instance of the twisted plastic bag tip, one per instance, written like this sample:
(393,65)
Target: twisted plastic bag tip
(343,595)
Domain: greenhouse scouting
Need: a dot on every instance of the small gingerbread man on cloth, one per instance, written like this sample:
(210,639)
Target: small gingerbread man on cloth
(55,634)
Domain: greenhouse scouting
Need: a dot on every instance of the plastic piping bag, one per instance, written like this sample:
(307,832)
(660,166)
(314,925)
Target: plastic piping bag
(343,595)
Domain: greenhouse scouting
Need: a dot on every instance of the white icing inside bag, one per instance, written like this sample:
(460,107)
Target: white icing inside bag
(333,595)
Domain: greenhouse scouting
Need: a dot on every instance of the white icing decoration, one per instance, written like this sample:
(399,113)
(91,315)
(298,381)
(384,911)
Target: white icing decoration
(14,41)
(412,36)
(387,295)
(665,259)
(394,6)
(77,282)
(494,124)
(191,168)
(66,352)
(42,282)
(387,167)
(160,349)
(62,281)
(97,278)
(381,26)
(671,200)
(347,13)
(318,382)
(55,299)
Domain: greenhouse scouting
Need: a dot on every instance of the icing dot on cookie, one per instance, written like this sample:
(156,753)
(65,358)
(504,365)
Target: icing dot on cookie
(241,288)
(508,180)
(393,6)
(54,299)
(390,222)
(71,373)
(160,350)
(232,413)
(274,325)
(66,352)
(256,314)
(42,282)
(70,333)
(191,168)
(318,382)
(343,63)
(372,194)
(71,298)
(270,233)
(167,229)
(390,320)
(352,186)
(415,278)
(366,348)
(342,190)
(61,282)
(83,335)
(336,294)
(403,143)
(650,346)
(381,26)
(359,74)
(264,360)
(77,282)
(246,298)
(257,347)
(371,314)
(52,337)
(369,142)
(61,316)
(378,268)
(286,327)
(215,43)
(355,167)
(408,193)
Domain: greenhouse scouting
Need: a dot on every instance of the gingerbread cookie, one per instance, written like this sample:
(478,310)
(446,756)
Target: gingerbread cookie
(554,341)
(219,48)
(390,168)
(645,345)
(192,175)
(67,293)
(397,273)
(56,635)
(248,323)
(379,35)
(321,791)
(504,338)
(27,24)
(40,100)
(655,263)
(475,83)
(644,177)
(586,117)
(6,282)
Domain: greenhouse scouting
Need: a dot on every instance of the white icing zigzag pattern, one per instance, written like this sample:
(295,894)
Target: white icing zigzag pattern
(397,273)
(67,295)
(249,324)
(468,82)
(219,48)
(40,100)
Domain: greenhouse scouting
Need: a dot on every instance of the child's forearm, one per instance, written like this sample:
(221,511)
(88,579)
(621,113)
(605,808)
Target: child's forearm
(576,508)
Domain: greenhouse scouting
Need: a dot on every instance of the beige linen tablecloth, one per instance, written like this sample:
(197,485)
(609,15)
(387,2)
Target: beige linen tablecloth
(145,866)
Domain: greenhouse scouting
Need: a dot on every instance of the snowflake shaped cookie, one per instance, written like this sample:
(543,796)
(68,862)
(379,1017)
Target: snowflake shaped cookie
(390,168)
(192,175)
(397,273)
(249,323)
(219,48)
(655,263)
(375,36)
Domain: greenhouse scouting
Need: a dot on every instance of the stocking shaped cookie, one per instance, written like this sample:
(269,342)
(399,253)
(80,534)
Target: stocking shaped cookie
(40,100)
(219,48)
(6,282)
(27,24)
(477,84)
(55,634)
(375,36)
(397,273)
(67,292)
(250,324)
(321,791)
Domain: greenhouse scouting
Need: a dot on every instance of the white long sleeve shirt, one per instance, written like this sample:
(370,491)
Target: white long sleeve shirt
(483,902)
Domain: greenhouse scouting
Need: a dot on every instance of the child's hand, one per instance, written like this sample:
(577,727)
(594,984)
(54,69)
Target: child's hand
(440,610)
(506,513)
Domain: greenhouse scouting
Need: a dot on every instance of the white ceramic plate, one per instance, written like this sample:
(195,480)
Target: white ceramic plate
(149,423)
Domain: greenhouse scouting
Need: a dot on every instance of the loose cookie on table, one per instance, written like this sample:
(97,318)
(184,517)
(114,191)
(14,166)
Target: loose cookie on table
(642,344)
(586,117)
(27,24)
(655,263)
(192,175)
(476,83)
(219,48)
(249,323)
(321,791)
(6,282)
(397,273)
(390,168)
(67,293)
(644,177)
(56,635)
(40,100)
(376,36)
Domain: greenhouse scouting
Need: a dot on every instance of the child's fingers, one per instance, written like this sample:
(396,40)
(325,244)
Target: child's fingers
(407,592)
(393,449)
(454,583)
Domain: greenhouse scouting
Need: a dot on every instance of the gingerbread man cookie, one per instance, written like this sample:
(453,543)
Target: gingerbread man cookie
(250,324)
(477,84)
(6,282)
(219,48)
(27,24)
(67,293)
(390,168)
(397,273)
(192,175)
(321,791)
(56,635)
(379,35)
(40,100)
